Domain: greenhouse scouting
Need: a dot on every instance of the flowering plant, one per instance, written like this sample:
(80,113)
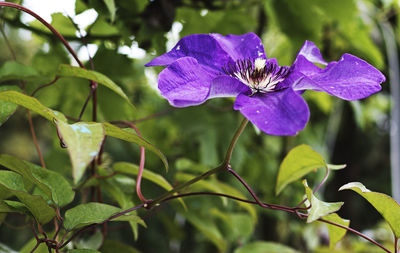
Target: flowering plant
(205,66)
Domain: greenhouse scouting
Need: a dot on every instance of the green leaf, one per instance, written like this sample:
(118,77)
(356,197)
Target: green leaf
(5,249)
(28,102)
(86,214)
(36,204)
(264,247)
(209,229)
(300,161)
(63,24)
(17,206)
(71,71)
(102,28)
(133,169)
(83,251)
(336,166)
(7,108)
(114,189)
(219,187)
(111,8)
(384,204)
(336,233)
(12,70)
(27,248)
(111,246)
(83,142)
(53,185)
(93,241)
(125,135)
(319,208)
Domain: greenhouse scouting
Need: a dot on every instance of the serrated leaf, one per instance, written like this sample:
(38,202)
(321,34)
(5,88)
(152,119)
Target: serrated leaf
(111,246)
(264,247)
(300,161)
(12,70)
(52,184)
(83,142)
(89,213)
(38,207)
(71,71)
(125,135)
(319,208)
(28,102)
(6,108)
(384,204)
(336,233)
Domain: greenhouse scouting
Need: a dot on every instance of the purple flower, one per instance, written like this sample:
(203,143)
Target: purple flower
(205,66)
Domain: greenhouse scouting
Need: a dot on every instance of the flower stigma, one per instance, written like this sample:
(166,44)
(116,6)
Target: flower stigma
(260,76)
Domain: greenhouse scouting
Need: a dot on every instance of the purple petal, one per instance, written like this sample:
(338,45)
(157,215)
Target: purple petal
(213,50)
(278,113)
(226,86)
(350,78)
(185,82)
(246,46)
(311,52)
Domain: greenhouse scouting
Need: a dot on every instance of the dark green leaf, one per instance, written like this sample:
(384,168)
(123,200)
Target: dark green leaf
(52,184)
(71,71)
(12,70)
(7,108)
(111,246)
(36,204)
(89,213)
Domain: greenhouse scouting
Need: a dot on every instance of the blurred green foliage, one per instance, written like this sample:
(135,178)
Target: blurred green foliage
(195,139)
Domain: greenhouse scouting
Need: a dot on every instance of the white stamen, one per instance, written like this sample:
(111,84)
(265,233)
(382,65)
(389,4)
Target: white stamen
(259,63)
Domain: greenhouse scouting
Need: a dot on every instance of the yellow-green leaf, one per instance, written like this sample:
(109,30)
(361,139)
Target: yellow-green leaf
(336,233)
(384,204)
(83,142)
(264,247)
(319,208)
(28,102)
(300,161)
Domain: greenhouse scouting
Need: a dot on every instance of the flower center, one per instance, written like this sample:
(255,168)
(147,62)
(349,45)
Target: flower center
(260,75)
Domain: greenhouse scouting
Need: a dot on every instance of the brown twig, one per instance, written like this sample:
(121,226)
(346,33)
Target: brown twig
(35,141)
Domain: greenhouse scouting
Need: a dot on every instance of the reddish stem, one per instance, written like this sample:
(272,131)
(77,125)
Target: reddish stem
(35,141)
(44,22)
(141,164)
